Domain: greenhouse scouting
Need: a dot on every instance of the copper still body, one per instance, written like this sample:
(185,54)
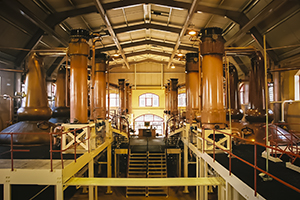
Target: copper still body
(167,100)
(128,99)
(257,109)
(212,50)
(173,97)
(61,113)
(122,97)
(192,86)
(78,53)
(34,111)
(233,97)
(99,110)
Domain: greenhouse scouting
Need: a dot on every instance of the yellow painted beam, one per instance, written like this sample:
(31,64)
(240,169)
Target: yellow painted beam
(205,181)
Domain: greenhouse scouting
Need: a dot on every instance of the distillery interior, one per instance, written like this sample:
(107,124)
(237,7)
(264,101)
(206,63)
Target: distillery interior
(150,99)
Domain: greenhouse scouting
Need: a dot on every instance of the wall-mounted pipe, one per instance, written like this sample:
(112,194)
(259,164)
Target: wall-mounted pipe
(12,70)
(78,53)
(212,51)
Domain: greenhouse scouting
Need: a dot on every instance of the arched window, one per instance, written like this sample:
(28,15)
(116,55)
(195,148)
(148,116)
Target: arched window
(148,100)
(156,122)
(182,100)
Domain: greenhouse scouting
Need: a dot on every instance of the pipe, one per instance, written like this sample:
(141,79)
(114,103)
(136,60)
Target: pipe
(127,97)
(282,107)
(212,50)
(99,85)
(192,86)
(12,70)
(78,53)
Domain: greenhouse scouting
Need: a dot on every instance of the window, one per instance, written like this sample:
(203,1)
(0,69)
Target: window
(156,122)
(148,100)
(297,85)
(114,100)
(182,100)
(242,93)
(271,91)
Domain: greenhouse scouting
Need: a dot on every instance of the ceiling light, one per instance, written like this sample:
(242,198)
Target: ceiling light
(172,66)
(180,55)
(199,12)
(192,32)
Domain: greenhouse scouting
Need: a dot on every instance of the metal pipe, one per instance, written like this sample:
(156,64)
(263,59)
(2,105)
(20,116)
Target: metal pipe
(12,70)
(78,52)
(282,107)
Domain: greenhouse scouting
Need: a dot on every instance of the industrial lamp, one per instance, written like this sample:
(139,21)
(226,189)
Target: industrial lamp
(192,32)
(172,66)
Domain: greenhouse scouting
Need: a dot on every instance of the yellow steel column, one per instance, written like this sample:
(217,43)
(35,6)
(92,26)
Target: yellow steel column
(91,175)
(78,52)
(185,157)
(109,138)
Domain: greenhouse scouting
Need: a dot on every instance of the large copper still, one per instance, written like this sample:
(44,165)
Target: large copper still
(35,111)
(192,86)
(212,50)
(173,97)
(257,109)
(122,96)
(78,53)
(233,98)
(61,113)
(99,109)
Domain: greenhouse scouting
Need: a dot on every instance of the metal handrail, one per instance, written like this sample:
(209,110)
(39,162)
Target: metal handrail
(255,159)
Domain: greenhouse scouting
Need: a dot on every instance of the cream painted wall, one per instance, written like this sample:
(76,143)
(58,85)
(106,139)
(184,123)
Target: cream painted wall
(147,74)
(138,111)
(292,111)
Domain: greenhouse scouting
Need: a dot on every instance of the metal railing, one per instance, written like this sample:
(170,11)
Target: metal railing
(255,166)
(51,150)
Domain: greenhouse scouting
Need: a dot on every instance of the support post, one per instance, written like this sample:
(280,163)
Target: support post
(91,175)
(59,193)
(7,191)
(108,137)
(185,157)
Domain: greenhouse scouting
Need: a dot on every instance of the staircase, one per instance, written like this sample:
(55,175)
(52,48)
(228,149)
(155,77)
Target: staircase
(150,165)
(137,168)
(157,168)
